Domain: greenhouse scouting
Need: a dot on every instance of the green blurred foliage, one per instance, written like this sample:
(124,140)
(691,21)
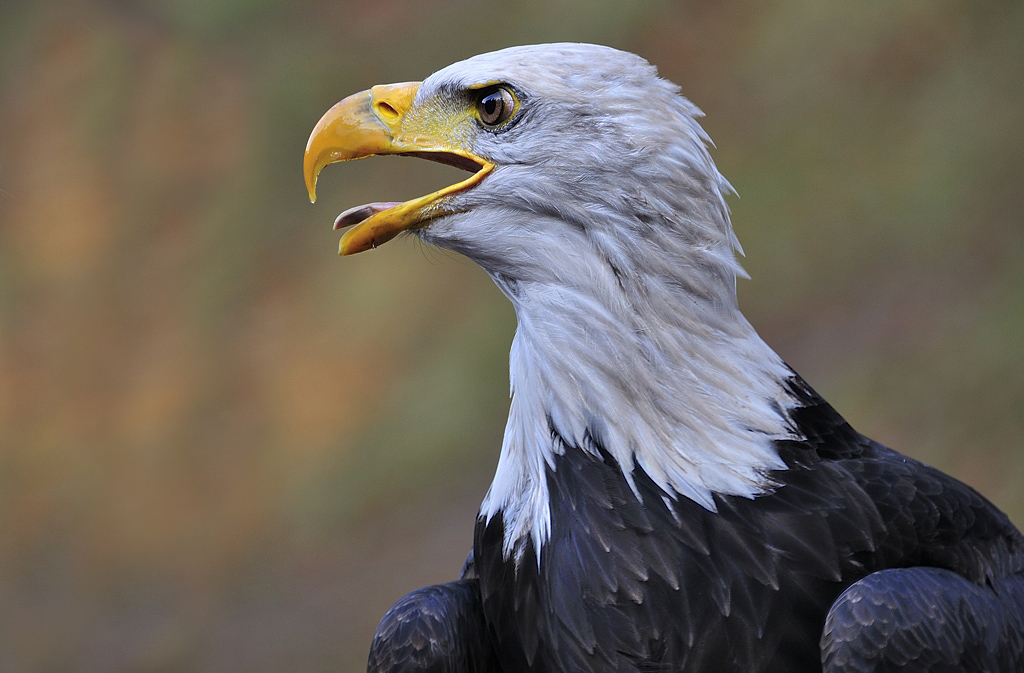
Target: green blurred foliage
(222,448)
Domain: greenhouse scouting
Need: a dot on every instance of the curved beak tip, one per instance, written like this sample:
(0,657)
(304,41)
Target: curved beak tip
(310,171)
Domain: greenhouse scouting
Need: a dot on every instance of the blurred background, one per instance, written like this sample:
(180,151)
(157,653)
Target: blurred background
(223,448)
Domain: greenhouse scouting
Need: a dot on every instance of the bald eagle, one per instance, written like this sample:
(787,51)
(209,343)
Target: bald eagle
(670,495)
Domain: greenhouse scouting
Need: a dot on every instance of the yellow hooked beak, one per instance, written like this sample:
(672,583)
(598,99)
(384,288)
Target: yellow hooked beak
(376,122)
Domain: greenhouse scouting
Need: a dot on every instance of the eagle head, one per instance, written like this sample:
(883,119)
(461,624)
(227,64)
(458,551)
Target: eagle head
(593,203)
(582,160)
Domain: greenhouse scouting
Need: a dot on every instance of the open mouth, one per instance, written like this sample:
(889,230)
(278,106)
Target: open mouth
(371,123)
(359,214)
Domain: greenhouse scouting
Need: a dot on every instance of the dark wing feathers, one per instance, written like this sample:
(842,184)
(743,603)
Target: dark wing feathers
(924,619)
(436,629)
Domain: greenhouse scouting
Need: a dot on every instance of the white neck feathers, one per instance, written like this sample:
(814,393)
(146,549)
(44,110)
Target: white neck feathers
(682,387)
(619,257)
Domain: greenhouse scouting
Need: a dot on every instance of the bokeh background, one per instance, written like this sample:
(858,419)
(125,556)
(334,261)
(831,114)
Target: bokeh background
(223,448)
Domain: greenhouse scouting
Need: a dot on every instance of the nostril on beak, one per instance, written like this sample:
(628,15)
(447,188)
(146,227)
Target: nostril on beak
(385,110)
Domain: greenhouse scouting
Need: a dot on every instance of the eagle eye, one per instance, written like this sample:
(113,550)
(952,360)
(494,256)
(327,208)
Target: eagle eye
(495,105)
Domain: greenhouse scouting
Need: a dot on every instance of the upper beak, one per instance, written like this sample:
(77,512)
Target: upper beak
(371,122)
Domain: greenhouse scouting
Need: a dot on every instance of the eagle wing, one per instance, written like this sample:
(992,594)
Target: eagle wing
(925,619)
(436,629)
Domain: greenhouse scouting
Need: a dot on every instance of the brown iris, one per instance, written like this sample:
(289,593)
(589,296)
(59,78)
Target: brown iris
(495,106)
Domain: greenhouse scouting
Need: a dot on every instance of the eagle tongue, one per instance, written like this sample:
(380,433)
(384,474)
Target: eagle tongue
(359,213)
